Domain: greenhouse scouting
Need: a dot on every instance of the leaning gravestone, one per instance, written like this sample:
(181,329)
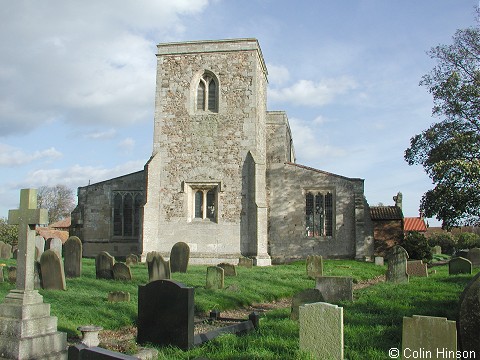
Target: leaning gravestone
(179,257)
(474,256)
(228,269)
(40,245)
(459,265)
(104,265)
(215,278)
(435,336)
(165,314)
(27,330)
(131,259)
(158,268)
(314,266)
(72,253)
(335,288)
(469,317)
(5,250)
(53,276)
(417,268)
(321,330)
(54,244)
(307,296)
(121,271)
(397,265)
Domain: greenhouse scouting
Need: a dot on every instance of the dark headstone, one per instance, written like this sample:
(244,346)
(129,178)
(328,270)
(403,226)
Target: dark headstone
(459,265)
(54,244)
(468,324)
(417,268)
(131,259)
(37,276)
(215,278)
(165,314)
(228,269)
(179,257)
(314,265)
(304,297)
(474,256)
(335,288)
(158,268)
(53,276)
(397,265)
(72,252)
(122,271)
(104,265)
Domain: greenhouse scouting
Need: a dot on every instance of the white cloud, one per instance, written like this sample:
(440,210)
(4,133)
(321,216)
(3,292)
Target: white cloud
(101,135)
(277,74)
(310,93)
(11,156)
(127,145)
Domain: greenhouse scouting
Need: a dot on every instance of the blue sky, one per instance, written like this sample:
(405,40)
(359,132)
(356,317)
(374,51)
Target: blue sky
(77,82)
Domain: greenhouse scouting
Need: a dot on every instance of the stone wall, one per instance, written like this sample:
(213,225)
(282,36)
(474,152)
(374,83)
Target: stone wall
(387,233)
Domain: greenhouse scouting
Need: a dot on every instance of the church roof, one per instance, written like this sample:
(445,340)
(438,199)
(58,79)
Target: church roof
(386,213)
(320,171)
(414,224)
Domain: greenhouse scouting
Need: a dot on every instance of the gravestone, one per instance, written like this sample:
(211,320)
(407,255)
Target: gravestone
(12,274)
(314,265)
(434,336)
(40,246)
(321,330)
(119,296)
(179,257)
(437,250)
(54,244)
(2,278)
(37,282)
(104,265)
(307,296)
(417,268)
(215,278)
(122,271)
(459,265)
(397,265)
(5,250)
(462,253)
(245,262)
(228,269)
(53,275)
(335,288)
(158,268)
(27,330)
(379,260)
(469,317)
(165,314)
(72,252)
(131,259)
(474,256)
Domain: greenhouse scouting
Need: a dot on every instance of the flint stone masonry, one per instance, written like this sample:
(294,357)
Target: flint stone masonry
(430,334)
(53,275)
(72,250)
(335,288)
(314,265)
(397,265)
(459,265)
(469,317)
(321,330)
(417,268)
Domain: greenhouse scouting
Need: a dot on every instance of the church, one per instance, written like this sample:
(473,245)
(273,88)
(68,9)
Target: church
(222,176)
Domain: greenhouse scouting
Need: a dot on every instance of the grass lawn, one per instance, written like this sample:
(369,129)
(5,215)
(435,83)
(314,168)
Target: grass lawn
(372,322)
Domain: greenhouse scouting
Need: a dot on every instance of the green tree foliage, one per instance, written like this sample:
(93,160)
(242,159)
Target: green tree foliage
(467,240)
(449,150)
(417,246)
(445,240)
(8,233)
(59,200)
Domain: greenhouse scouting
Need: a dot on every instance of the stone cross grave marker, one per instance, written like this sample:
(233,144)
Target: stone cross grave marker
(314,265)
(397,265)
(158,268)
(179,257)
(321,330)
(215,278)
(72,254)
(459,265)
(469,317)
(435,337)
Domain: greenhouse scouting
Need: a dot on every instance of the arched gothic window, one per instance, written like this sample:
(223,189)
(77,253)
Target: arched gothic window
(126,213)
(319,214)
(207,94)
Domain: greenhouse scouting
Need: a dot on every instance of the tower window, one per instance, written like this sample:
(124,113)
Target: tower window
(207,94)
(126,213)
(203,201)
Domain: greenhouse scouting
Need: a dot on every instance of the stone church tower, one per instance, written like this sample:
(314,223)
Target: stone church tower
(206,178)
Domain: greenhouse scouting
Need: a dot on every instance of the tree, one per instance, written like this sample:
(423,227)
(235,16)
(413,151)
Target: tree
(8,233)
(59,200)
(449,150)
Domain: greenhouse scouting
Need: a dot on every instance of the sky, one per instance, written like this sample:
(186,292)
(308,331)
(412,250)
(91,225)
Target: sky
(77,83)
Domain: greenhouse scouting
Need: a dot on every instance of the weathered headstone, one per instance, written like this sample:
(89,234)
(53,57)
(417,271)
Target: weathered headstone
(245,262)
(215,278)
(28,331)
(5,250)
(2,278)
(54,244)
(228,269)
(37,276)
(314,265)
(335,288)
(40,246)
(179,257)
(437,250)
(122,271)
(321,330)
(417,268)
(12,274)
(131,259)
(459,265)
(469,317)
(307,296)
(397,265)
(158,268)
(104,265)
(118,296)
(165,314)
(379,260)
(72,253)
(428,337)
(474,256)
(53,275)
